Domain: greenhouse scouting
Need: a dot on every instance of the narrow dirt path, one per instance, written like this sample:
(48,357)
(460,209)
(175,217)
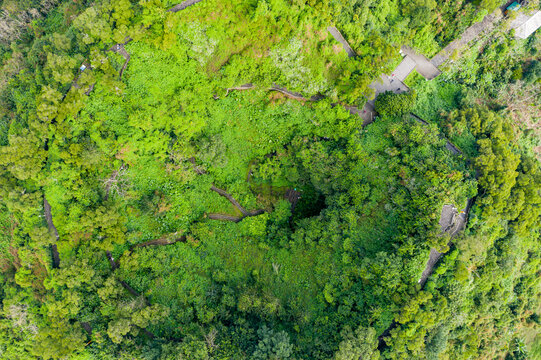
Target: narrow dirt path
(230,198)
(128,288)
(49,217)
(112,262)
(114,265)
(290,94)
(367,113)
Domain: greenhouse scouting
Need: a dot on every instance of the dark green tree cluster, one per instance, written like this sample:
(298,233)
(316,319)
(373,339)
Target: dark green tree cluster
(391,104)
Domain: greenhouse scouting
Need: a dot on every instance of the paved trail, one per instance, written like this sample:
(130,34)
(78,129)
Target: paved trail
(183,5)
(422,64)
(477,29)
(395,81)
(471,33)
(404,68)
(340,38)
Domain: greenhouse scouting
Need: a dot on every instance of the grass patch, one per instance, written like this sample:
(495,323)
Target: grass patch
(434,98)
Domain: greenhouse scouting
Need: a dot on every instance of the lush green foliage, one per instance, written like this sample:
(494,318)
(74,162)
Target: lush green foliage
(116,187)
(389,103)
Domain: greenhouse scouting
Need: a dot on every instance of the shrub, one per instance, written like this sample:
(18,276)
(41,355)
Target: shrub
(533,73)
(391,104)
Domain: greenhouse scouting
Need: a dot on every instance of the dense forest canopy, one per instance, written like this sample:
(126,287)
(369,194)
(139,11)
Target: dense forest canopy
(193,181)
